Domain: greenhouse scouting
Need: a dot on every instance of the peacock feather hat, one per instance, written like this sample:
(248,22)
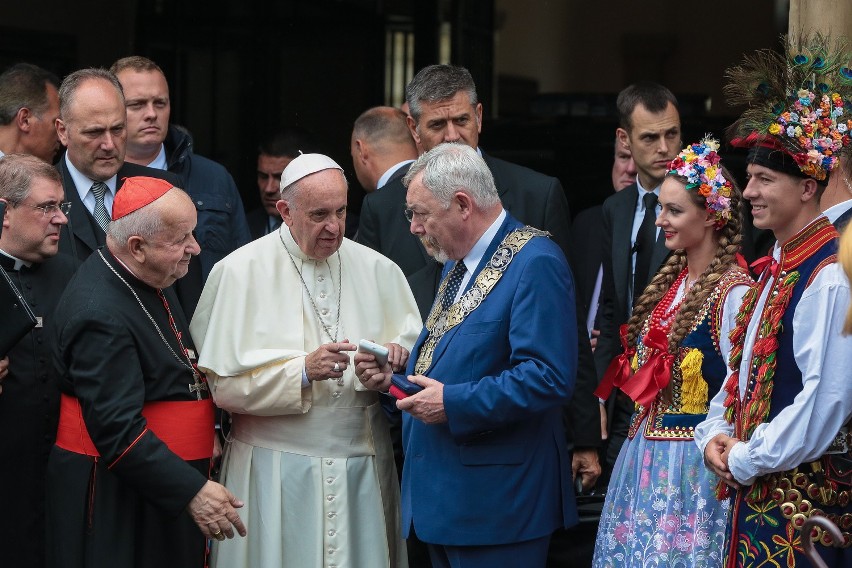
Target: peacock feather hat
(798,113)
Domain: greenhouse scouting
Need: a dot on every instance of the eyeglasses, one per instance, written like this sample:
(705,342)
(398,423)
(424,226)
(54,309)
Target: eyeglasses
(51,211)
(411,214)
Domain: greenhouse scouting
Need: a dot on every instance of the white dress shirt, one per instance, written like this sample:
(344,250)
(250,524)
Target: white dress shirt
(84,188)
(471,260)
(392,170)
(802,431)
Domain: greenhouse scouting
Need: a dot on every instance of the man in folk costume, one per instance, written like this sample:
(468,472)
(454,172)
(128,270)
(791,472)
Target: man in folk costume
(276,325)
(128,477)
(776,434)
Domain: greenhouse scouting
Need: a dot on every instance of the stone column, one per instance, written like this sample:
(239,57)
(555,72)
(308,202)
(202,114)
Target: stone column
(828,17)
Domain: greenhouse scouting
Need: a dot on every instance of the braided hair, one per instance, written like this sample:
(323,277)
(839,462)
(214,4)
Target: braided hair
(727,246)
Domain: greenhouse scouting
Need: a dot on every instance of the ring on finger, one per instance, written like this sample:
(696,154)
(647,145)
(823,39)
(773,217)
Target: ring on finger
(336,367)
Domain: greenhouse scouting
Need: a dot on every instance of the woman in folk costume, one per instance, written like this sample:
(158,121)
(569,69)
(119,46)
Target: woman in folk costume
(660,509)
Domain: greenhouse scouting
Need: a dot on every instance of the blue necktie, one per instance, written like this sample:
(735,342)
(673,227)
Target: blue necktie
(454,281)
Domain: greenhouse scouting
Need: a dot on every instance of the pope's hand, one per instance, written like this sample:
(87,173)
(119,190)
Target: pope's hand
(370,374)
(427,405)
(214,511)
(379,378)
(328,361)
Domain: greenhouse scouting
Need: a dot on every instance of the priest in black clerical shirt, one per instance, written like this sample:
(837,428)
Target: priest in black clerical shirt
(29,402)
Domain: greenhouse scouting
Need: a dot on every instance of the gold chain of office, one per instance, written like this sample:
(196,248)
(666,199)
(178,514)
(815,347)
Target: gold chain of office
(440,321)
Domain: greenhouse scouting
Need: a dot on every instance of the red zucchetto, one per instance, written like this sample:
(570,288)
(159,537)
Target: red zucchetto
(137,192)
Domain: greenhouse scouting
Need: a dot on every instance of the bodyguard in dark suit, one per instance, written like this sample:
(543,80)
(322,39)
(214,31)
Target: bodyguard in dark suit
(487,476)
(587,228)
(92,125)
(633,249)
(444,108)
(382,150)
(86,233)
(276,150)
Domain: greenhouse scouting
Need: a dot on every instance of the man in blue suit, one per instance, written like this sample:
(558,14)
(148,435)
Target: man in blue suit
(487,476)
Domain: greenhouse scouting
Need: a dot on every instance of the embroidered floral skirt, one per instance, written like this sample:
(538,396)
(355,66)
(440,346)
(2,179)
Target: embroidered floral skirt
(660,510)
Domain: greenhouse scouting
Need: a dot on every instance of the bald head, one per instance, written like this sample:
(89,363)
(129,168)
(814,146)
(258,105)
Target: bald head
(380,140)
(92,122)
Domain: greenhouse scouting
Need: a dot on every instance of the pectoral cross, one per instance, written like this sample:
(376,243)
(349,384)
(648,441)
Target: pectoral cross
(197,386)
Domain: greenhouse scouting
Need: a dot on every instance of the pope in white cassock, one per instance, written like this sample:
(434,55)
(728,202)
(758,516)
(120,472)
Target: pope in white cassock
(276,327)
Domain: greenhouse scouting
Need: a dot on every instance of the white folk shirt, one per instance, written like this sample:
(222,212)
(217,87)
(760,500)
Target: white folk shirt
(802,431)
(314,465)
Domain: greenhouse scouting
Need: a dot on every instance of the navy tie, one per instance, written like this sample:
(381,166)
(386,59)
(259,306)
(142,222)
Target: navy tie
(454,280)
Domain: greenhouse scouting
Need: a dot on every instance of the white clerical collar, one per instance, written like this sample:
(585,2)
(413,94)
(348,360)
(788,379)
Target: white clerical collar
(18,262)
(472,259)
(392,170)
(643,191)
(84,186)
(292,246)
(2,153)
(159,163)
(837,210)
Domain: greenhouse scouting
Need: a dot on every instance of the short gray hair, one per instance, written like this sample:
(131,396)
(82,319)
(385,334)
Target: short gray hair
(72,82)
(448,168)
(383,125)
(438,83)
(24,86)
(17,172)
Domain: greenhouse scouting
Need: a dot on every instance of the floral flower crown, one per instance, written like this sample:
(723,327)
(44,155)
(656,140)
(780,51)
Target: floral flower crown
(816,123)
(699,164)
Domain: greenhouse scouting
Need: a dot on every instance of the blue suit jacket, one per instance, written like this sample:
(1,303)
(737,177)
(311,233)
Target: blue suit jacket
(498,470)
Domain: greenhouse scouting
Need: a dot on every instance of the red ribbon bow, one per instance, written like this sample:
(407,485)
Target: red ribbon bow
(655,374)
(761,264)
(619,369)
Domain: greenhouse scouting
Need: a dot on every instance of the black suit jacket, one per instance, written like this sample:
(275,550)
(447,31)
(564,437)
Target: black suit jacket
(258,221)
(586,260)
(424,285)
(384,228)
(529,196)
(83,235)
(617,225)
(617,215)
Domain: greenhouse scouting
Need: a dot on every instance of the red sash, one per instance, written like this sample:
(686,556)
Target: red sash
(186,427)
